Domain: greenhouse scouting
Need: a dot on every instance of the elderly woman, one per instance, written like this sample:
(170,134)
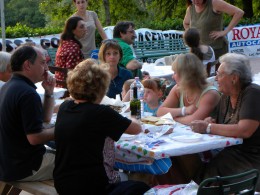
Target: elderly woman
(238,116)
(5,67)
(69,54)
(110,52)
(81,128)
(192,98)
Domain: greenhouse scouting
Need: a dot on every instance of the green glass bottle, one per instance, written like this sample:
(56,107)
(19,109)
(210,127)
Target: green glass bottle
(135,105)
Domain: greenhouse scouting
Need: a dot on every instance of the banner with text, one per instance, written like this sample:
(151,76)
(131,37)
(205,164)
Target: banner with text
(245,40)
(143,34)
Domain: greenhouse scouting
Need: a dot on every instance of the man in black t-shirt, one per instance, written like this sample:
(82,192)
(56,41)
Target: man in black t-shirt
(22,152)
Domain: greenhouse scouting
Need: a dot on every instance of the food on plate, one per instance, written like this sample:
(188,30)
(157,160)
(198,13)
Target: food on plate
(167,132)
(156,121)
(116,108)
(150,120)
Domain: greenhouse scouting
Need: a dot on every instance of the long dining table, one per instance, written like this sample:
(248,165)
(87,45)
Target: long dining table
(140,153)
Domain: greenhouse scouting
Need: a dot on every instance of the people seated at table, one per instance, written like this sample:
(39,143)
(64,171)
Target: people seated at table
(23,155)
(125,90)
(153,93)
(204,52)
(79,144)
(238,116)
(69,52)
(5,67)
(192,98)
(110,52)
(124,33)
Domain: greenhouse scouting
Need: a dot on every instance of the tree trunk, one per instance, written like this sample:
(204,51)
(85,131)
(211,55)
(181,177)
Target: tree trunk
(107,12)
(248,8)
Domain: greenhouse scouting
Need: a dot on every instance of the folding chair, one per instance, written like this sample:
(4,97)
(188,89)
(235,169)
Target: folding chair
(243,183)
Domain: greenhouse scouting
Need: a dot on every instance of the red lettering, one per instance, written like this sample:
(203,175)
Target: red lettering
(258,33)
(252,31)
(244,33)
(235,34)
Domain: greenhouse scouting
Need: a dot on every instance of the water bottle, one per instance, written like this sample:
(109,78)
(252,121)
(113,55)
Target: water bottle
(136,99)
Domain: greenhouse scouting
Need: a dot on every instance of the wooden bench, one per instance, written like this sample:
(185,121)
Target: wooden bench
(37,188)
(147,51)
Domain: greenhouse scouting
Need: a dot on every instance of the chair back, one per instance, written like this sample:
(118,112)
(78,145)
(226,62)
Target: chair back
(54,69)
(52,54)
(243,183)
(212,81)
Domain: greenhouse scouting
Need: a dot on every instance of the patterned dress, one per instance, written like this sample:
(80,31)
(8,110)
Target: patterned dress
(67,56)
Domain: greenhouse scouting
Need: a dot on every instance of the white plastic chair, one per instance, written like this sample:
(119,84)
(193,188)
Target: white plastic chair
(212,81)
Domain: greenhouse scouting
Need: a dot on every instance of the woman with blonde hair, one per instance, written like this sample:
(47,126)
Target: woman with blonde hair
(192,97)
(81,128)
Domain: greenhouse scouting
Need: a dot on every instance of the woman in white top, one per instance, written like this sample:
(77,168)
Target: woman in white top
(92,22)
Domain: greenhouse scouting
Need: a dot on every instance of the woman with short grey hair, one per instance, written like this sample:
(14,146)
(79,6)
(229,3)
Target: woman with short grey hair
(238,64)
(238,116)
(5,67)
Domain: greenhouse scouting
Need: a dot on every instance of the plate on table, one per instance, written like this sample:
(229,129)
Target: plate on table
(127,136)
(186,138)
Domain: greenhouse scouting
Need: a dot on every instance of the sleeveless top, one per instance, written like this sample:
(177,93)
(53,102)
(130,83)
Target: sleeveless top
(208,88)
(207,21)
(209,56)
(88,41)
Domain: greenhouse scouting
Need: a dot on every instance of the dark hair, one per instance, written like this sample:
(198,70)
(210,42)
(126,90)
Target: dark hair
(20,55)
(189,2)
(106,44)
(75,1)
(192,39)
(121,27)
(70,25)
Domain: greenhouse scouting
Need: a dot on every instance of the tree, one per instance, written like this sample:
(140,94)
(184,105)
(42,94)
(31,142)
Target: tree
(25,12)
(107,12)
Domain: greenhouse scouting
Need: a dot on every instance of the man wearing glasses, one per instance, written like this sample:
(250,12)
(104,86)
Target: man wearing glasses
(124,33)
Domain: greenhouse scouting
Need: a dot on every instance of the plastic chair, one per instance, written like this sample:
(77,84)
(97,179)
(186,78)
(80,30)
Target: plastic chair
(243,183)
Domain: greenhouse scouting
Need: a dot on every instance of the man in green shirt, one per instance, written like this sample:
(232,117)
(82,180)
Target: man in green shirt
(124,33)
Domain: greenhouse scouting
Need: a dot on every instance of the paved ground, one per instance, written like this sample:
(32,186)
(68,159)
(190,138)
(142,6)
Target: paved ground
(255,65)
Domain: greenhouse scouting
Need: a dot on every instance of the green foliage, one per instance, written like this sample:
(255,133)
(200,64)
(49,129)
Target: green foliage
(153,14)
(21,30)
(24,11)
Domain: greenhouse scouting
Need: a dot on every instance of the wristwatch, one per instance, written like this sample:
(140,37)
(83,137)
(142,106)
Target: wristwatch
(49,96)
(208,128)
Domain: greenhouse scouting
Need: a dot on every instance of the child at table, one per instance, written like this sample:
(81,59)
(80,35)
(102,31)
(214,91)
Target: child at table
(125,90)
(153,92)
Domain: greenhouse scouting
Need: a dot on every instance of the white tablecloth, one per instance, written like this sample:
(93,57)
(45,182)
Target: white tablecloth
(135,149)
(58,92)
(158,71)
(256,78)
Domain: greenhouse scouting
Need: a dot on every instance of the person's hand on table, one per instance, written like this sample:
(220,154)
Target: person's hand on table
(199,126)
(210,120)
(190,109)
